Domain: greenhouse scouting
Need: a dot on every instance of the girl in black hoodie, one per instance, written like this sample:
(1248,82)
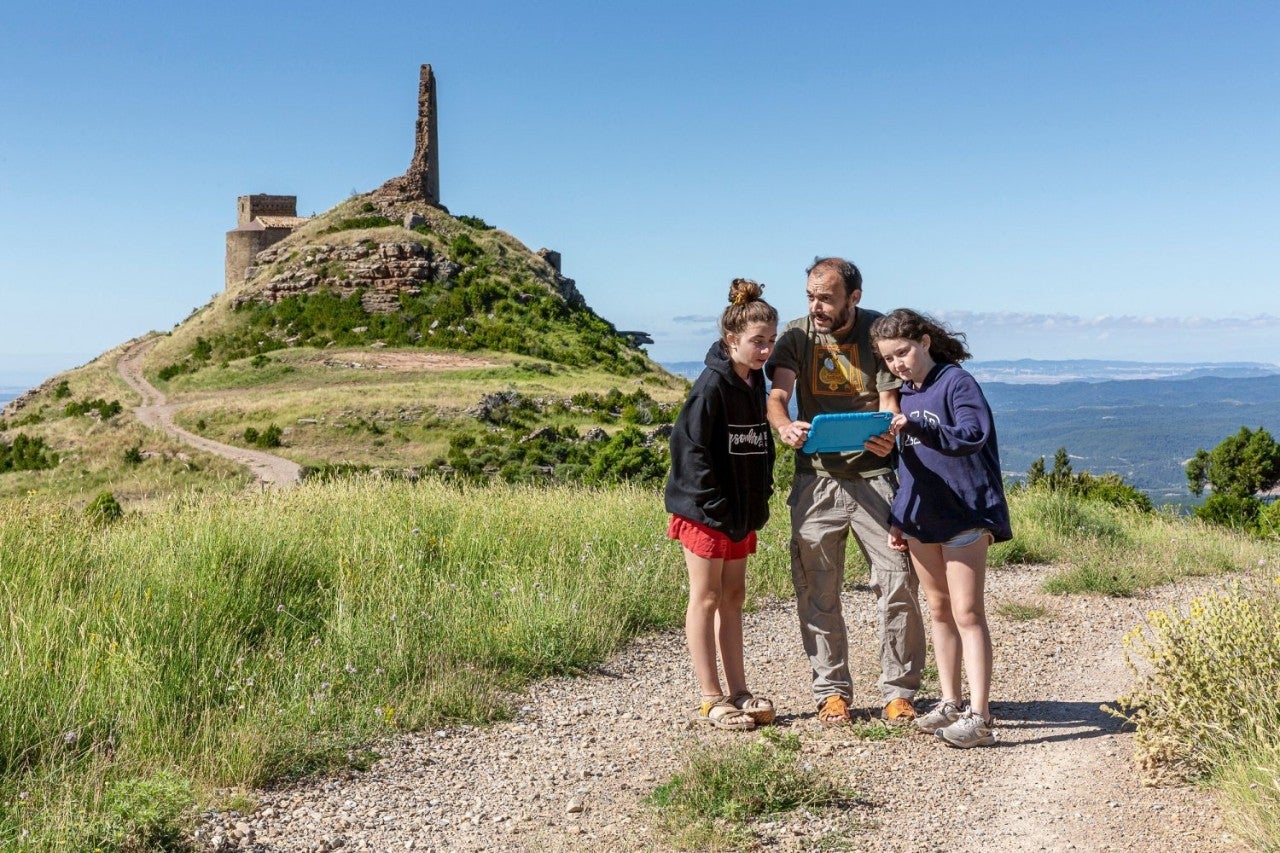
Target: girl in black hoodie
(718,496)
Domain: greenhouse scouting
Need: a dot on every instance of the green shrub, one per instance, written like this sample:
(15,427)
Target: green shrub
(146,814)
(133,455)
(26,453)
(464,250)
(356,223)
(104,509)
(62,390)
(102,407)
(270,437)
(475,222)
(171,370)
(1228,510)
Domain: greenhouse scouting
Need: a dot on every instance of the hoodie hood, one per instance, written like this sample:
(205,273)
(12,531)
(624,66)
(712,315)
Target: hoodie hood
(718,360)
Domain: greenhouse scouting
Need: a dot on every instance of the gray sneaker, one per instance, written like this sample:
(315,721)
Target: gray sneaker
(969,730)
(943,714)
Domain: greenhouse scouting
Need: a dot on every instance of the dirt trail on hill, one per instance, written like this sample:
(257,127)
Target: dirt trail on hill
(155,411)
(571,771)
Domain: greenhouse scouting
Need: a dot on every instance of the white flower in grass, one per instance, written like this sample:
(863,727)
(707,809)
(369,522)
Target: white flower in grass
(350,669)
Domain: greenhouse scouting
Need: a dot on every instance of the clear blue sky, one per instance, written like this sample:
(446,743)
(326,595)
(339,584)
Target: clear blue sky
(1059,180)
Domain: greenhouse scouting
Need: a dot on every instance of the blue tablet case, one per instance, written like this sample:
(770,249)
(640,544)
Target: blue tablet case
(844,432)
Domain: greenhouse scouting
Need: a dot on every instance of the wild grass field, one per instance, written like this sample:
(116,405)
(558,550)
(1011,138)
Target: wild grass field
(222,640)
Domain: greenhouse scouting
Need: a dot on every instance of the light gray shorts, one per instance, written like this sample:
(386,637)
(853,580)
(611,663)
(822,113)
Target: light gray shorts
(961,539)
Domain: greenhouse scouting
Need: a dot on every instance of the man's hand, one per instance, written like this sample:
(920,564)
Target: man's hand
(794,434)
(896,540)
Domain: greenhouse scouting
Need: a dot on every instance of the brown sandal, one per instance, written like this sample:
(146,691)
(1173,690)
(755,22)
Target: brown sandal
(834,711)
(720,713)
(756,707)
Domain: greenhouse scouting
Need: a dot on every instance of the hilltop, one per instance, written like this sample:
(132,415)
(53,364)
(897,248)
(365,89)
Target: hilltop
(384,333)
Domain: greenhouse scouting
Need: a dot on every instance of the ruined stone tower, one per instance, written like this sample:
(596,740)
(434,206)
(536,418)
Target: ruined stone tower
(422,181)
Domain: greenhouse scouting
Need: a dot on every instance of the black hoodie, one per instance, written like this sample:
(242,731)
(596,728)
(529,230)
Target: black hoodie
(722,451)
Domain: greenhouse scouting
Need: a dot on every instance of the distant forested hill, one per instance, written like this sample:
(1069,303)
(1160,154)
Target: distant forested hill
(1143,429)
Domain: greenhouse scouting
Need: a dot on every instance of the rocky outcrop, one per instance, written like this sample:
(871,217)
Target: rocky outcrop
(381,272)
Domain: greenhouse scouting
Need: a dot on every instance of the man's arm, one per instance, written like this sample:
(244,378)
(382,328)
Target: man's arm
(790,432)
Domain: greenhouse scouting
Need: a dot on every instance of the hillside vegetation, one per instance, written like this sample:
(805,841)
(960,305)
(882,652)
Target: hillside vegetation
(471,358)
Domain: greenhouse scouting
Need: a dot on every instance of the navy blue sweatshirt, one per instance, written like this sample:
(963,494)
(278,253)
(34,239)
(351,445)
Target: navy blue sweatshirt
(722,451)
(949,467)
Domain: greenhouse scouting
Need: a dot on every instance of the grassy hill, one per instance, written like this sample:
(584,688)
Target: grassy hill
(480,362)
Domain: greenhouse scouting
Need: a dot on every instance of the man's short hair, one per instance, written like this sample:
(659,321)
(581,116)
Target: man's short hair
(846,270)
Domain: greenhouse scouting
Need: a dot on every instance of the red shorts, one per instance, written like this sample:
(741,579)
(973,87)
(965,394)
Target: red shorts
(707,543)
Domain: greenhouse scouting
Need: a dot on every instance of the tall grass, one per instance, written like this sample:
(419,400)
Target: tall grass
(222,640)
(1117,551)
(230,640)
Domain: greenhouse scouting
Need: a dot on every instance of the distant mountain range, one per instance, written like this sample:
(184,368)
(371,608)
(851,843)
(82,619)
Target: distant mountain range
(1142,421)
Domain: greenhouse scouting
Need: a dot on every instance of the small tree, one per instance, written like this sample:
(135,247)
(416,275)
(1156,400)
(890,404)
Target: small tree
(1061,476)
(1241,465)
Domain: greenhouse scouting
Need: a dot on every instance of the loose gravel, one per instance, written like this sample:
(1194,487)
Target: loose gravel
(571,770)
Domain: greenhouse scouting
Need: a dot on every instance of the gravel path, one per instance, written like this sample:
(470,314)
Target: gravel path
(156,412)
(572,770)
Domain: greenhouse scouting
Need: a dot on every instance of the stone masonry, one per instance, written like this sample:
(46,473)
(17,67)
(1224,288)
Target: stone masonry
(421,182)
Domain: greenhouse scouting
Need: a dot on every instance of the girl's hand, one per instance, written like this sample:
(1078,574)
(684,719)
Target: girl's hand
(899,421)
(896,540)
(880,445)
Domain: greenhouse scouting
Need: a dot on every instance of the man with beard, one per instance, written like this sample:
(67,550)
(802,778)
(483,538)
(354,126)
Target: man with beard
(827,361)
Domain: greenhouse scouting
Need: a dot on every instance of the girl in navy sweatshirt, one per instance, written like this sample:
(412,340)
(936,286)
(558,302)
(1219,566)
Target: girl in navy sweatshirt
(718,496)
(949,509)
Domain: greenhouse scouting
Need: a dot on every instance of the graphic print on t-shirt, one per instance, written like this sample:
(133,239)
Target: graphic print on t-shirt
(748,439)
(836,370)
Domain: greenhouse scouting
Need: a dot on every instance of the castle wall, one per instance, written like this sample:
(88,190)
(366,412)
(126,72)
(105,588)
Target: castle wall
(243,244)
(248,207)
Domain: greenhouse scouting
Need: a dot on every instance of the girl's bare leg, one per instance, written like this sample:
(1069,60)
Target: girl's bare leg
(733,592)
(966,578)
(931,568)
(700,620)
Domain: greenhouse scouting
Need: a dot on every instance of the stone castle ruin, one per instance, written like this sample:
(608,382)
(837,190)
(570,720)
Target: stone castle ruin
(379,272)
(264,220)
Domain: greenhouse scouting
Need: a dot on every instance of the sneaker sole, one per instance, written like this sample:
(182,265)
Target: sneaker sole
(986,740)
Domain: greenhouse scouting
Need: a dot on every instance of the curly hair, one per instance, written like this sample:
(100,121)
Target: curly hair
(745,307)
(944,344)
